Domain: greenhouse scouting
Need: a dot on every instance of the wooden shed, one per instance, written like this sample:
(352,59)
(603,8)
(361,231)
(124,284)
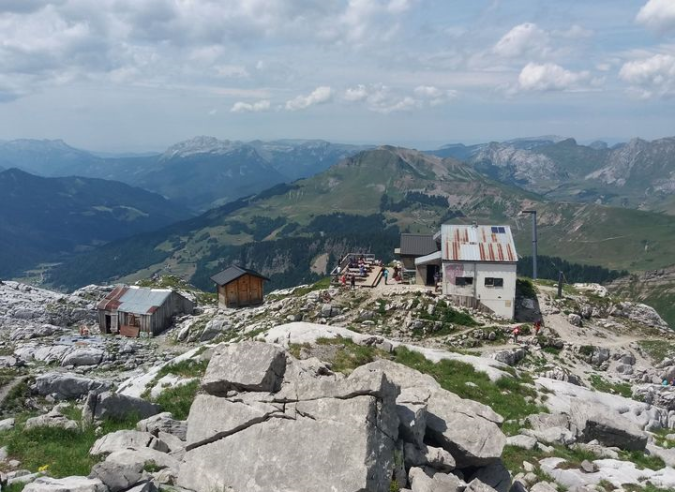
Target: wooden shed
(131,311)
(239,287)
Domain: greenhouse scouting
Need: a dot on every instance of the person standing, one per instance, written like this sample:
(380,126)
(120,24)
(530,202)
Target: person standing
(385,274)
(352,281)
(537,327)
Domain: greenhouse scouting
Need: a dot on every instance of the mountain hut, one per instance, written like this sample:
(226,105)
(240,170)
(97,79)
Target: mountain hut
(239,287)
(133,310)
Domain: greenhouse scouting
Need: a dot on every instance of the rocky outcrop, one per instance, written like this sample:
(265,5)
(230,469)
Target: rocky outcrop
(66,386)
(250,430)
(68,484)
(116,406)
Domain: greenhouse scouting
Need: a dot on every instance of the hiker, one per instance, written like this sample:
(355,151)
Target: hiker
(343,280)
(515,333)
(362,270)
(664,382)
(537,327)
(437,278)
(385,274)
(352,281)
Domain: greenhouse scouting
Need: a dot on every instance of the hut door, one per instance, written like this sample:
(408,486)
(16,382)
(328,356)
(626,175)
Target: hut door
(232,298)
(244,290)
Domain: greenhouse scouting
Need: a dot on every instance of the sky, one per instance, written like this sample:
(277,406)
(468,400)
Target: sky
(140,75)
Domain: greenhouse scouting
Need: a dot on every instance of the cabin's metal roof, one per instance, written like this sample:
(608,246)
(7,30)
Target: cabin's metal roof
(233,273)
(417,244)
(135,300)
(486,243)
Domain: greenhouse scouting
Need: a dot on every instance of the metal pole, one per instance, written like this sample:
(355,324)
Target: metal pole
(534,244)
(560,283)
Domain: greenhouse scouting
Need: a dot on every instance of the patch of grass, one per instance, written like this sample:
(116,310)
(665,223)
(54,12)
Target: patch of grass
(587,350)
(322,284)
(600,384)
(513,458)
(152,467)
(507,396)
(642,460)
(189,368)
(657,349)
(62,452)
(178,399)
(14,402)
(552,350)
(351,355)
(648,487)
(525,288)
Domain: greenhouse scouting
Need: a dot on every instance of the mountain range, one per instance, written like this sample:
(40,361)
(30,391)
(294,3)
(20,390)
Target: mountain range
(44,219)
(639,174)
(291,232)
(199,173)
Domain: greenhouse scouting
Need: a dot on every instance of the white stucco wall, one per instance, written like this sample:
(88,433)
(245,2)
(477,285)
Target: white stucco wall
(500,299)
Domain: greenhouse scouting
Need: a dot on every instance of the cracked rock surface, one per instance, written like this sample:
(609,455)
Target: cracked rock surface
(270,422)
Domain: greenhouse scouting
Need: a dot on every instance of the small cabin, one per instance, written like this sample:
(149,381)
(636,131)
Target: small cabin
(239,287)
(133,310)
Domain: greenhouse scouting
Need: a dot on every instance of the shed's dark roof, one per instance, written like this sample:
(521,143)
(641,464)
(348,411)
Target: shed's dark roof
(233,273)
(417,244)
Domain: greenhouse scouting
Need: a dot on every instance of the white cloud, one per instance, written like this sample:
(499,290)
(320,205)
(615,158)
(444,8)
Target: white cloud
(231,71)
(524,39)
(575,32)
(256,107)
(320,95)
(552,77)
(434,95)
(658,15)
(651,77)
(355,94)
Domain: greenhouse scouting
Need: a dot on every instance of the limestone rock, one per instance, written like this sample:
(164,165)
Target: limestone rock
(126,439)
(347,431)
(426,456)
(522,441)
(248,366)
(118,476)
(116,405)
(164,422)
(66,386)
(68,484)
(213,418)
(465,428)
(613,430)
(51,419)
(436,482)
(83,357)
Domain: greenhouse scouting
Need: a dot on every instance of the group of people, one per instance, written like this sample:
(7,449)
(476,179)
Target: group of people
(517,331)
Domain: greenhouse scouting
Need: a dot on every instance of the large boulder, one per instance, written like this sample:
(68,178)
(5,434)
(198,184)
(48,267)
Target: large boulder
(467,429)
(126,439)
(609,430)
(212,418)
(164,422)
(328,441)
(117,406)
(118,476)
(66,386)
(83,357)
(246,366)
(68,484)
(52,419)
(421,481)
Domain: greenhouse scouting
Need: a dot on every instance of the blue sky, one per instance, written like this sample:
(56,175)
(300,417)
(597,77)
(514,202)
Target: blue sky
(142,74)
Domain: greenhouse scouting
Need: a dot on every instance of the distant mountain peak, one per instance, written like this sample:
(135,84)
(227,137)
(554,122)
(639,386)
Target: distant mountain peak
(201,145)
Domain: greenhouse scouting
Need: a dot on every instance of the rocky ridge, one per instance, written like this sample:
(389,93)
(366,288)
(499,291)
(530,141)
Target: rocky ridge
(345,367)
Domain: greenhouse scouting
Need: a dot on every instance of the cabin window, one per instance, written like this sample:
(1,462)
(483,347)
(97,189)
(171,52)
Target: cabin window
(494,282)
(462,281)
(499,230)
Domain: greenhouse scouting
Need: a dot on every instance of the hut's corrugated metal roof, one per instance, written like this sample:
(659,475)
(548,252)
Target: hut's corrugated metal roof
(485,243)
(233,273)
(141,300)
(135,300)
(417,244)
